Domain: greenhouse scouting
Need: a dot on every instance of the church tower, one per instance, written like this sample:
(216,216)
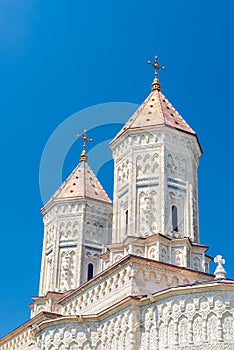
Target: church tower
(77,224)
(156,157)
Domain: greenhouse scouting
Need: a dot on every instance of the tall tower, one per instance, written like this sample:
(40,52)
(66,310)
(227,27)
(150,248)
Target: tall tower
(77,227)
(156,156)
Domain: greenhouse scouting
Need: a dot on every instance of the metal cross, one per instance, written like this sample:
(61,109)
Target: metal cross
(156,66)
(85,139)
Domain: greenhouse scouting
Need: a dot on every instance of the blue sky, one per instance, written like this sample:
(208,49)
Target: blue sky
(58,57)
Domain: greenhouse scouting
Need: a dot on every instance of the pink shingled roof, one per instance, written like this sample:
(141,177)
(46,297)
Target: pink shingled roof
(155,111)
(81,183)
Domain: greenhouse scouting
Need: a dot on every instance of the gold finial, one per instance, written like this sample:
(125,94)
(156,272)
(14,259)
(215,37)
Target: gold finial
(156,83)
(85,138)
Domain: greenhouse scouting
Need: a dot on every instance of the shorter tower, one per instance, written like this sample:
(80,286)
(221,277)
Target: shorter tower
(77,227)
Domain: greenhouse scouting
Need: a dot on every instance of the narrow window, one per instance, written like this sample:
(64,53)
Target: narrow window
(90,271)
(126,221)
(174,218)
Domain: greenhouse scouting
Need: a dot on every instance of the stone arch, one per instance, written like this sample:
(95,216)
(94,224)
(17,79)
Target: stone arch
(117,258)
(60,347)
(52,347)
(163,281)
(152,253)
(219,302)
(40,309)
(163,338)
(138,251)
(198,335)
(86,346)
(186,281)
(76,223)
(203,304)
(228,326)
(73,345)
(154,167)
(146,169)
(175,307)
(212,327)
(68,225)
(171,332)
(189,306)
(152,274)
(174,281)
(183,330)
(57,335)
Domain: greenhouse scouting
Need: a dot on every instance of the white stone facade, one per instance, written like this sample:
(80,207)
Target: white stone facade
(154,167)
(198,319)
(75,234)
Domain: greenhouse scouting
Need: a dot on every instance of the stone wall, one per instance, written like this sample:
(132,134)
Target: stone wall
(195,319)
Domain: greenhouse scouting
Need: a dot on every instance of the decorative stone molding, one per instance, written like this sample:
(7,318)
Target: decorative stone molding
(191,319)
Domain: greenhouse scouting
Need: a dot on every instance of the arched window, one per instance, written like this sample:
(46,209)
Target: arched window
(90,272)
(174,215)
(126,221)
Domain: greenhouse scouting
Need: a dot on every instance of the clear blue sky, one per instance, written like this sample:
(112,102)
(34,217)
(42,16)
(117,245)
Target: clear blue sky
(58,57)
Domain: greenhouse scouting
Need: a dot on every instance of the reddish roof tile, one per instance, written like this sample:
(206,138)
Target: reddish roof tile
(155,111)
(81,183)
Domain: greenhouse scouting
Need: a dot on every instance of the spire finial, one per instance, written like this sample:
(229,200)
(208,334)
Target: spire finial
(156,84)
(85,139)
(219,272)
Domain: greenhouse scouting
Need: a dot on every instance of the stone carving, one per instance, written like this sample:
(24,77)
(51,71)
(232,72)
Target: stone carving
(197,330)
(49,233)
(49,273)
(212,328)
(228,327)
(176,165)
(169,323)
(196,263)
(147,165)
(178,258)
(219,272)
(163,253)
(183,330)
(67,270)
(147,212)
(69,231)
(123,171)
(152,253)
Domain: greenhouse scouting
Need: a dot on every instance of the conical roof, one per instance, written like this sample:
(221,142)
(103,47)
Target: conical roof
(81,183)
(155,111)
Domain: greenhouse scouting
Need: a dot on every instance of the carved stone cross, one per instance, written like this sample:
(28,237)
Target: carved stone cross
(219,273)
(219,260)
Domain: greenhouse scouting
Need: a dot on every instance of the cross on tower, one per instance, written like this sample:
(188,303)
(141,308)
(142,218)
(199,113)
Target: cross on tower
(219,260)
(156,66)
(85,139)
(219,273)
